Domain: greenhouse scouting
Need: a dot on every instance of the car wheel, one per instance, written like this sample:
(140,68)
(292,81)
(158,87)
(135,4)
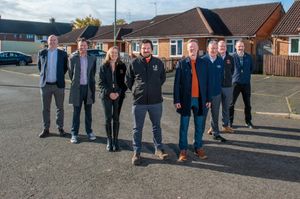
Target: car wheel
(22,63)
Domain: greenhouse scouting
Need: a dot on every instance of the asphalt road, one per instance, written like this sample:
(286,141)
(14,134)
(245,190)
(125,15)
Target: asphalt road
(258,163)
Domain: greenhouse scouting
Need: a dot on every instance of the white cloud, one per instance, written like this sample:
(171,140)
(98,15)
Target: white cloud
(130,10)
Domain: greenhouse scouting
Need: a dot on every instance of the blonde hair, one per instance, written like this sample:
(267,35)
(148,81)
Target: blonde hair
(108,54)
(192,40)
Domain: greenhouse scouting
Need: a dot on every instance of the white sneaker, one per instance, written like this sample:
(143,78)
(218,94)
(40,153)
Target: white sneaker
(74,139)
(91,136)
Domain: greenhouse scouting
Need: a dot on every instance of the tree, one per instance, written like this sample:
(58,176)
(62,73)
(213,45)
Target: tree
(120,22)
(89,20)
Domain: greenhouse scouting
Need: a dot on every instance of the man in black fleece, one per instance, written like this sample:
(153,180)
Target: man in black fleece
(145,77)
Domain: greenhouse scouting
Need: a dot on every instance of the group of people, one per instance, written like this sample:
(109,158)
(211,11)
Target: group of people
(201,83)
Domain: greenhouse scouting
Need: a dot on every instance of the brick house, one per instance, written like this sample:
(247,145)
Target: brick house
(253,23)
(102,37)
(105,39)
(286,35)
(26,36)
(68,41)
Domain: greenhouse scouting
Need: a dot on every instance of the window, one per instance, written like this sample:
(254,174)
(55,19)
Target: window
(99,46)
(155,47)
(39,37)
(230,44)
(294,46)
(29,36)
(176,47)
(135,47)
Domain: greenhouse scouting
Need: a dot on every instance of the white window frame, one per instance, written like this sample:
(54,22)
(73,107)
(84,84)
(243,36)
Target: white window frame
(234,40)
(29,36)
(176,44)
(155,43)
(290,46)
(135,49)
(99,45)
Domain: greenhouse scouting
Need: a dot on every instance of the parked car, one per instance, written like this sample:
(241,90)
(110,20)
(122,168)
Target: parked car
(95,52)
(14,57)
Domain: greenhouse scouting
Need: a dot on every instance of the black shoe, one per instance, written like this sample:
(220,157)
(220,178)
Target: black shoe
(220,138)
(44,133)
(62,133)
(109,146)
(116,146)
(249,125)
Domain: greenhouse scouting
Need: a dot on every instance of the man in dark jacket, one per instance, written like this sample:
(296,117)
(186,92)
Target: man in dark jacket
(52,64)
(192,92)
(216,69)
(145,77)
(241,78)
(226,94)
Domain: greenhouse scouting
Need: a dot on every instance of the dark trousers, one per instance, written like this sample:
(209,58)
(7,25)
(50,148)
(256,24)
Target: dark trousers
(46,95)
(120,101)
(77,110)
(245,89)
(111,110)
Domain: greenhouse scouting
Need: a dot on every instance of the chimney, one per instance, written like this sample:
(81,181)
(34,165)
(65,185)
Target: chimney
(52,20)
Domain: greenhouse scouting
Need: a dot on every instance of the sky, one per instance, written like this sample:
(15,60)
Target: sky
(130,10)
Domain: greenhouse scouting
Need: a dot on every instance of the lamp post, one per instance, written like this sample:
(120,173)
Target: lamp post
(115,23)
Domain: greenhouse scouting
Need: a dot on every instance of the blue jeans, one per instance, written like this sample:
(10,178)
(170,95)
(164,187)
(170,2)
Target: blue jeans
(77,110)
(199,127)
(139,113)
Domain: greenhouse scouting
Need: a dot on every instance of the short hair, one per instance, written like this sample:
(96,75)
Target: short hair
(146,41)
(222,41)
(212,42)
(82,39)
(240,41)
(192,40)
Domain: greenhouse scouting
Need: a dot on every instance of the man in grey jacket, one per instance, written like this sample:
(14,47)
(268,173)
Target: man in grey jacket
(145,77)
(82,69)
(52,64)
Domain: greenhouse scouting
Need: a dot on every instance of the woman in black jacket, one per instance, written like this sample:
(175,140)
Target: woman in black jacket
(112,93)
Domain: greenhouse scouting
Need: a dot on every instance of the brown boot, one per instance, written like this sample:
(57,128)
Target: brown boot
(182,156)
(200,153)
(209,132)
(136,159)
(161,154)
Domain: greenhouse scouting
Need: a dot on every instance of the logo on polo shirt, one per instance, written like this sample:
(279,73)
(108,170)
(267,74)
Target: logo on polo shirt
(218,66)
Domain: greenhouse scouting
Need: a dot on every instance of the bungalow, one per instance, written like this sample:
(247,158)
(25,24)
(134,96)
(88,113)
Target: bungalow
(286,35)
(103,37)
(252,23)
(68,41)
(27,36)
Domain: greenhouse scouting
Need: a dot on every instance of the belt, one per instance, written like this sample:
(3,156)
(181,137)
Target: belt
(51,83)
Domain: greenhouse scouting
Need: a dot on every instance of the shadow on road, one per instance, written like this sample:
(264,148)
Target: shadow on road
(221,158)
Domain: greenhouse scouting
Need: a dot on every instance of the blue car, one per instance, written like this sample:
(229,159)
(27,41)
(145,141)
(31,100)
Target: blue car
(13,57)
